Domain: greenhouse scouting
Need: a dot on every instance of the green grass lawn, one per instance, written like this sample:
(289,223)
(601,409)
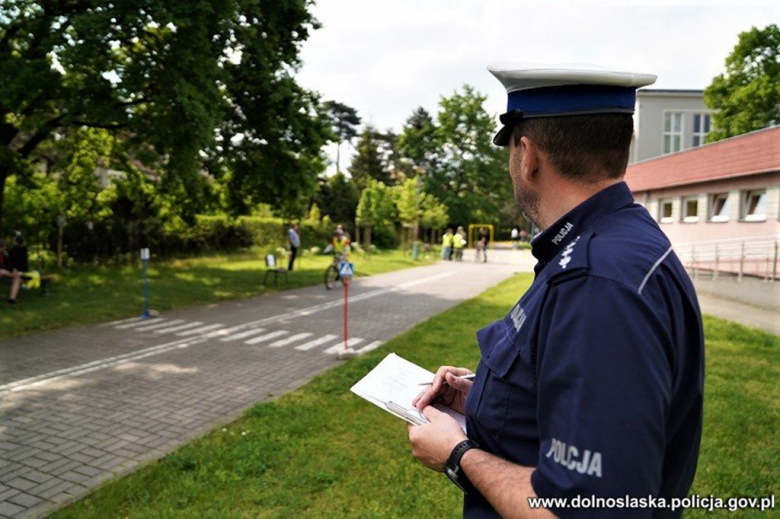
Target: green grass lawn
(97,294)
(323,452)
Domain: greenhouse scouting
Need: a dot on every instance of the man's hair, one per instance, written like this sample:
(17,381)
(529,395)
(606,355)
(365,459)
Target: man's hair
(585,148)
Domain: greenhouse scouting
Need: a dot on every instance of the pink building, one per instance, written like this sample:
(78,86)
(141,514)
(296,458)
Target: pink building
(719,203)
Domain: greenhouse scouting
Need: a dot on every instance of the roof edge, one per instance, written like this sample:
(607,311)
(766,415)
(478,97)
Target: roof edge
(704,146)
(707,180)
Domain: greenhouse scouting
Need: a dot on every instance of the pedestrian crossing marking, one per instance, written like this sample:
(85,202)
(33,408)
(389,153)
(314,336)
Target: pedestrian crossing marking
(371,347)
(227,331)
(124,321)
(243,335)
(290,340)
(340,346)
(179,328)
(140,323)
(267,337)
(251,336)
(316,342)
(199,330)
(157,326)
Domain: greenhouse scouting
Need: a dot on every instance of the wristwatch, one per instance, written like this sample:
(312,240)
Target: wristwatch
(453,469)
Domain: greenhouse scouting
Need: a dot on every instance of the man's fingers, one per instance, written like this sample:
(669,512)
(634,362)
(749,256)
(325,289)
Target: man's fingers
(431,413)
(458,384)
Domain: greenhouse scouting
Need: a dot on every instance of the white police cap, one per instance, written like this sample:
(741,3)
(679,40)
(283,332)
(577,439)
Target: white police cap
(535,91)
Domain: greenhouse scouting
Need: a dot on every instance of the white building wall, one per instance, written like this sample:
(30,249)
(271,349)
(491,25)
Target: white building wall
(651,106)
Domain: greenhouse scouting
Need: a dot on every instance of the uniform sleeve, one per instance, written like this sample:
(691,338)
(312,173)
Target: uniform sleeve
(604,384)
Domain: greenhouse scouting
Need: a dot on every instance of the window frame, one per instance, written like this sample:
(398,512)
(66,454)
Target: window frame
(684,207)
(745,199)
(711,198)
(671,133)
(661,217)
(701,134)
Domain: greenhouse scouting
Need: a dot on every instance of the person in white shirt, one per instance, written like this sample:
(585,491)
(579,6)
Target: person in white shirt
(295,242)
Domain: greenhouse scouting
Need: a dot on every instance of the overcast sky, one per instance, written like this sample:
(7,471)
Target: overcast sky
(386,57)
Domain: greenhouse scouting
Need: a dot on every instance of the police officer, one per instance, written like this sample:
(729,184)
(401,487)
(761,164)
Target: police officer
(592,384)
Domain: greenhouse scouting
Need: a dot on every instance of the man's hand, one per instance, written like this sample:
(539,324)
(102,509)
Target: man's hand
(447,390)
(433,442)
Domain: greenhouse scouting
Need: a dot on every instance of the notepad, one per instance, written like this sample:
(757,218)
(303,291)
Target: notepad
(392,386)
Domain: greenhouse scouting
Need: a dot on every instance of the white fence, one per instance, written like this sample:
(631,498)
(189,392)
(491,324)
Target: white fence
(757,257)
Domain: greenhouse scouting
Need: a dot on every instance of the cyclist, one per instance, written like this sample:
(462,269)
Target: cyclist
(340,242)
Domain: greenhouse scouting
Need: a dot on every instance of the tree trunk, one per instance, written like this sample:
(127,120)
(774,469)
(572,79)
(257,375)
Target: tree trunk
(368,241)
(3,178)
(357,233)
(338,157)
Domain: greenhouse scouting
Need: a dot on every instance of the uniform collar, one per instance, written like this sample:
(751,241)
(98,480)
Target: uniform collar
(548,244)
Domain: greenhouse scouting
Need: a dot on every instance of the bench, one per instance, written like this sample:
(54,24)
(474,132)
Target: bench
(46,284)
(272,268)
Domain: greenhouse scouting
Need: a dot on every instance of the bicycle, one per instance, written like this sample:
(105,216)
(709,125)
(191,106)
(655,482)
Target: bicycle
(332,272)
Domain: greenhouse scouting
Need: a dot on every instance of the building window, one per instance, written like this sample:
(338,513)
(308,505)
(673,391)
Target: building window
(690,209)
(719,207)
(701,127)
(665,214)
(754,205)
(672,132)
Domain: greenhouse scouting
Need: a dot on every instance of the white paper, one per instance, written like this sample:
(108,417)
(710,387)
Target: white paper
(399,381)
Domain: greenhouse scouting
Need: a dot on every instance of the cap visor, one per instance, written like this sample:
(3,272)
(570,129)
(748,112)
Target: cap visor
(502,137)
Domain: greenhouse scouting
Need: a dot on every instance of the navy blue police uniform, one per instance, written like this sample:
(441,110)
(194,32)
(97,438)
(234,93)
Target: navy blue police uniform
(595,377)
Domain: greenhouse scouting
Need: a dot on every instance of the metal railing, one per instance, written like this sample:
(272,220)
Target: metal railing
(756,257)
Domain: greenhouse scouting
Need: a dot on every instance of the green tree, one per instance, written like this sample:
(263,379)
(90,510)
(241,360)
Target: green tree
(461,166)
(195,84)
(344,121)
(746,96)
(417,143)
(372,158)
(376,208)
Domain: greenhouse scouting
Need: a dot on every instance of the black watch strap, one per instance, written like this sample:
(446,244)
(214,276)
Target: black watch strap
(453,469)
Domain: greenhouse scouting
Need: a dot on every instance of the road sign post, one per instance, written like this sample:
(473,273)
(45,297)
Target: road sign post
(346,271)
(145,255)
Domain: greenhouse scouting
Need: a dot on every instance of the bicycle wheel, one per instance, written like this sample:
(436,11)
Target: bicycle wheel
(331,276)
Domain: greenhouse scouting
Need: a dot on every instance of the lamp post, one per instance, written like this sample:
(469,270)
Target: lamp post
(416,232)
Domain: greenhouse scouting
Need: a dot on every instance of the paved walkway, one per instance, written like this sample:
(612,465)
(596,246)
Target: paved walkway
(759,317)
(81,406)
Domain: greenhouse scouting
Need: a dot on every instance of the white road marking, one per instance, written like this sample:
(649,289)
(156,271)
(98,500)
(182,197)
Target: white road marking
(180,327)
(140,323)
(99,364)
(226,331)
(123,321)
(340,346)
(184,343)
(353,299)
(267,337)
(290,340)
(158,325)
(316,342)
(370,347)
(241,335)
(199,330)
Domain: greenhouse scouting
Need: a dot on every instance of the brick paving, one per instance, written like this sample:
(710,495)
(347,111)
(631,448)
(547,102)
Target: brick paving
(84,405)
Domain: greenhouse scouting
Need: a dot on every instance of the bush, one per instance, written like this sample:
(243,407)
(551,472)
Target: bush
(118,240)
(384,237)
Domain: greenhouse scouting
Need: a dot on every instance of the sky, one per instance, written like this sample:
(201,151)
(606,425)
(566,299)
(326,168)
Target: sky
(387,57)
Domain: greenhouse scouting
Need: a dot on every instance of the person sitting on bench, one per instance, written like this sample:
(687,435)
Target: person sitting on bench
(10,273)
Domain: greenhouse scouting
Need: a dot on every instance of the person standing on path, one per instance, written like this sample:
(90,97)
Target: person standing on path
(458,242)
(295,243)
(446,245)
(592,385)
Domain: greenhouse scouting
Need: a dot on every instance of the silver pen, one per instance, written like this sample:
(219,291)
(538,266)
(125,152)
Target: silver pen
(470,376)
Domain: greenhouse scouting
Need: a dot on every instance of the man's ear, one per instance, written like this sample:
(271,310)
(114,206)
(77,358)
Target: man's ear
(530,165)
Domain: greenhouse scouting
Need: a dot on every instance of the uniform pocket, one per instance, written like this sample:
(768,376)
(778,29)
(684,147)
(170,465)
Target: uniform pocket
(498,356)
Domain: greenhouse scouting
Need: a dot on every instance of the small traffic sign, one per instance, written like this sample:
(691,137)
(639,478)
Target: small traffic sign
(346,270)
